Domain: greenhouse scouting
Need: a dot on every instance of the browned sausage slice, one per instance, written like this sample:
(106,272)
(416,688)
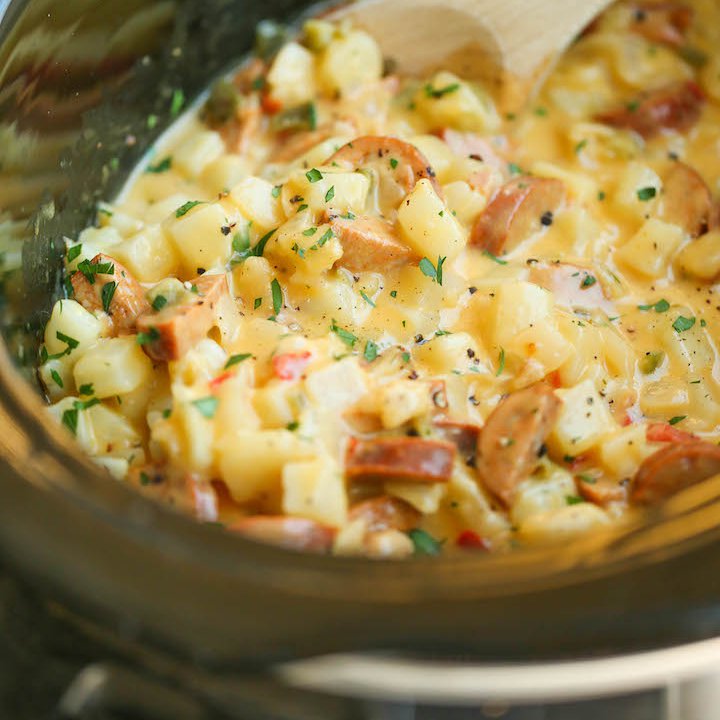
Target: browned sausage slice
(125,301)
(518,209)
(601,492)
(410,167)
(662,22)
(368,244)
(511,442)
(687,200)
(674,468)
(463,435)
(411,459)
(572,286)
(174,330)
(385,513)
(673,107)
(291,533)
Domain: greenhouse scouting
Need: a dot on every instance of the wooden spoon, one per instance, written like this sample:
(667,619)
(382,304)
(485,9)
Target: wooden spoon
(508,43)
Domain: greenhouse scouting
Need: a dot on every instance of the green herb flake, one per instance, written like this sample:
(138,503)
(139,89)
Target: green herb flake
(207,406)
(149,337)
(541,111)
(432,271)
(327,235)
(176,102)
(152,121)
(187,207)
(646,193)
(573,500)
(393,293)
(166,413)
(70,420)
(432,92)
(588,281)
(292,426)
(106,295)
(424,543)
(276,191)
(677,419)
(277,296)
(345,335)
(371,351)
(494,258)
(601,195)
(580,146)
(406,357)
(393,163)
(235,359)
(313,175)
(257,303)
(703,322)
(682,323)
(309,232)
(587,479)
(660,306)
(86,389)
(330,194)
(71,342)
(74,252)
(163,166)
(367,299)
(159,302)
(55,375)
(501,363)
(514,169)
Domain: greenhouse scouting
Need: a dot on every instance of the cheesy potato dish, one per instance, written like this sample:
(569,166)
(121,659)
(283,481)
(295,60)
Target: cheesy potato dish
(355,313)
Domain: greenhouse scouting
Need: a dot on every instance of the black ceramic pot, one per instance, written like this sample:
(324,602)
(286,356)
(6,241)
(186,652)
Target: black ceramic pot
(78,81)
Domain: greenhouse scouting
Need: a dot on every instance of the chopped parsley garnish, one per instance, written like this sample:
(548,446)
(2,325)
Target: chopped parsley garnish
(424,543)
(677,419)
(588,281)
(152,121)
(235,359)
(159,302)
(495,258)
(241,246)
(86,389)
(90,270)
(345,335)
(573,500)
(70,420)
(587,479)
(371,351)
(683,323)
(541,111)
(106,294)
(276,191)
(187,207)
(55,375)
(601,195)
(393,163)
(302,207)
(660,306)
(309,231)
(327,235)
(74,252)
(257,303)
(177,101)
(148,337)
(313,175)
(207,406)
(501,363)
(302,117)
(427,268)
(514,169)
(300,251)
(161,167)
(580,146)
(71,342)
(292,426)
(432,92)
(330,194)
(393,293)
(646,193)
(633,105)
(277,296)
(406,357)
(367,299)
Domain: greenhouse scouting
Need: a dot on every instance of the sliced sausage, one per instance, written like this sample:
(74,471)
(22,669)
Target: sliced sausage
(291,533)
(601,491)
(687,200)
(410,167)
(368,244)
(511,442)
(412,459)
(673,107)
(463,435)
(519,209)
(662,22)
(174,330)
(572,286)
(664,432)
(674,468)
(385,513)
(126,299)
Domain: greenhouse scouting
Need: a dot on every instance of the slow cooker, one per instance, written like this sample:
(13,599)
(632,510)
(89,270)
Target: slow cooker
(178,619)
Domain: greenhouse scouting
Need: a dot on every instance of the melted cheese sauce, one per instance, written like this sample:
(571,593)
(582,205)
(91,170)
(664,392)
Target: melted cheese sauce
(608,296)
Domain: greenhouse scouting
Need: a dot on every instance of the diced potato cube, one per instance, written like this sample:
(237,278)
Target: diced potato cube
(113,366)
(349,61)
(277,404)
(620,357)
(57,377)
(538,495)
(446,353)
(438,154)
(198,366)
(251,463)
(402,400)
(84,430)
(309,249)
(701,257)
(517,306)
(422,496)
(117,467)
(337,386)
(251,279)
(123,222)
(428,226)
(225,172)
(254,197)
(621,453)
(638,190)
(651,249)
(447,101)
(563,524)
(199,239)
(464,202)
(350,191)
(691,349)
(194,153)
(70,318)
(291,79)
(102,237)
(315,489)
(198,436)
(583,421)
(665,398)
(543,343)
(114,434)
(148,255)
